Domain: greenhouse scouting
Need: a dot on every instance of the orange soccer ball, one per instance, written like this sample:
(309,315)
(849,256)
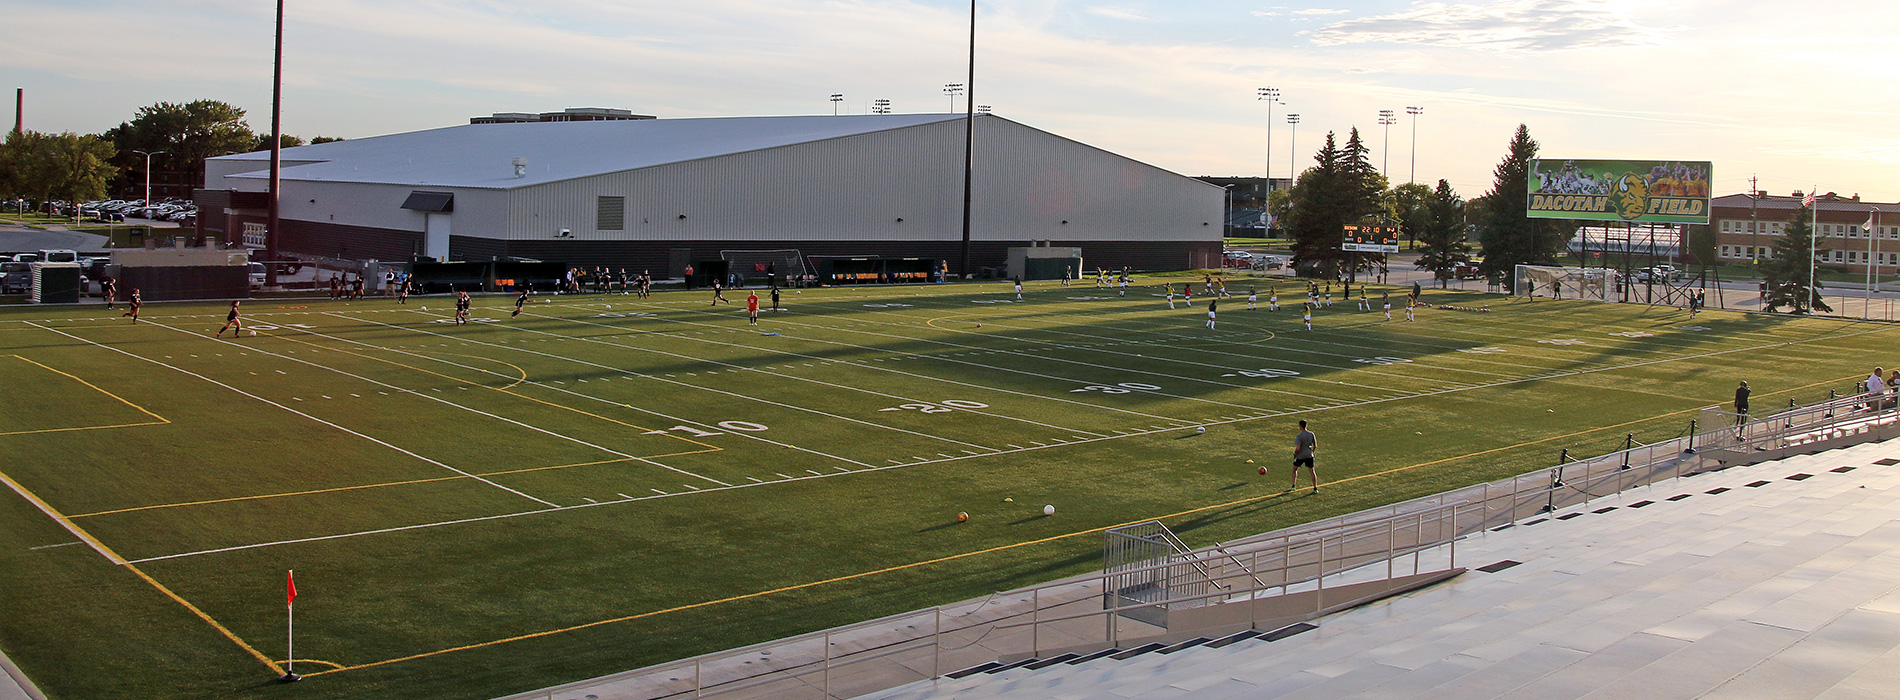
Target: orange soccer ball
(963,517)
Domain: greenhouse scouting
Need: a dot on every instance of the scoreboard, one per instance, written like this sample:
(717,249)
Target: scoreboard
(1371,239)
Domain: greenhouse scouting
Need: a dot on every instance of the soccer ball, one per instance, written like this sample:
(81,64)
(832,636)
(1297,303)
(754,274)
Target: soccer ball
(425,308)
(1199,429)
(1048,510)
(1263,471)
(253,332)
(963,517)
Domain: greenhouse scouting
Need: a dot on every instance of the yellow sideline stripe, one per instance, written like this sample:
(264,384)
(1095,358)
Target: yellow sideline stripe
(999,548)
(161,420)
(114,557)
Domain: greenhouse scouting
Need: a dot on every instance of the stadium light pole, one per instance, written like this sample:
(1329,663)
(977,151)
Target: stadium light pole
(1269,95)
(982,109)
(953,89)
(148,173)
(276,150)
(836,98)
(969,145)
(1414,111)
(1386,119)
(1293,147)
(880,106)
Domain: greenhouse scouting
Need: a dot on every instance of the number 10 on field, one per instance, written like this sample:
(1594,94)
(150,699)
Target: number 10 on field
(739,425)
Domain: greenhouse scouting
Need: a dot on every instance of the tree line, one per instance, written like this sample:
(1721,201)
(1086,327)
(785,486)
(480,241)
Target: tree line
(1343,188)
(74,167)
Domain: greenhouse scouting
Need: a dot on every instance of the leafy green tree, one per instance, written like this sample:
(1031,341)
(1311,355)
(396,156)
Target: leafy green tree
(1409,204)
(74,167)
(1509,237)
(1441,245)
(1341,188)
(263,142)
(324,139)
(1788,276)
(188,133)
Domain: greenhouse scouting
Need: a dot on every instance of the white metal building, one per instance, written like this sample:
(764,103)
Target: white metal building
(637,193)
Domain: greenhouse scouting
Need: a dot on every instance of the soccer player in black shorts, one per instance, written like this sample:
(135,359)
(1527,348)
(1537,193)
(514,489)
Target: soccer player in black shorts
(231,321)
(519,301)
(134,302)
(461,308)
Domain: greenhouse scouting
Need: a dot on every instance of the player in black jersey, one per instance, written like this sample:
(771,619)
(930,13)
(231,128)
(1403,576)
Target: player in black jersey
(232,322)
(519,301)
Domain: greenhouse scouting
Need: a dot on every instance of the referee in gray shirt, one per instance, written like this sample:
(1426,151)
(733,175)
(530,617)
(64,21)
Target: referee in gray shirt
(1304,445)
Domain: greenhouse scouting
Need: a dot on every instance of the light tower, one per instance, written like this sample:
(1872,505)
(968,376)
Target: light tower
(836,98)
(1271,96)
(1414,111)
(953,90)
(1386,119)
(880,106)
(1293,146)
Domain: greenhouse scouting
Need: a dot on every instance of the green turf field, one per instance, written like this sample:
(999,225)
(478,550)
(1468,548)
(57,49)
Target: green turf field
(606,482)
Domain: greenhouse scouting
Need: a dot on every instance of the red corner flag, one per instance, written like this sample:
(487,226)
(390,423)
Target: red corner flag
(290,583)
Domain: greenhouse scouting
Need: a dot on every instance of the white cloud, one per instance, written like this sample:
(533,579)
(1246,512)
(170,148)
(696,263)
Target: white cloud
(1504,25)
(1261,13)
(1321,11)
(1117,13)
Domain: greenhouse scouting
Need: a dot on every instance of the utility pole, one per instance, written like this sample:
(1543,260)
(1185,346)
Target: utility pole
(969,143)
(276,151)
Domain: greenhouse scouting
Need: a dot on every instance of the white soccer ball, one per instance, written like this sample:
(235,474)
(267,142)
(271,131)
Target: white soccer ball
(1199,429)
(425,308)
(610,306)
(1048,510)
(253,332)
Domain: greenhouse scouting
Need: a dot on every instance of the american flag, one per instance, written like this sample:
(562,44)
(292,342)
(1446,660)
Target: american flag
(1808,201)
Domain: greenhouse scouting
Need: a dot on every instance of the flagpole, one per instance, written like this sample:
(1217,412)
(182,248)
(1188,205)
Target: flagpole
(290,628)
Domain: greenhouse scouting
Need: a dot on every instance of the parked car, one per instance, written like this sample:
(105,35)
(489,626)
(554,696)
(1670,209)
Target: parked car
(15,277)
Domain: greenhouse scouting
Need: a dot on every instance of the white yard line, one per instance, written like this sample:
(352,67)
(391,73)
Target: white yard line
(288,409)
(447,402)
(735,366)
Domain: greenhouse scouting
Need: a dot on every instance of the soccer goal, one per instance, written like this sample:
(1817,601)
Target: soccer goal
(787,262)
(1593,283)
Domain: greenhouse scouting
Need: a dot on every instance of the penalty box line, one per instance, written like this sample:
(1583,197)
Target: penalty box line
(447,402)
(845,387)
(580,395)
(641,375)
(157,419)
(288,409)
(1061,360)
(866,365)
(523,379)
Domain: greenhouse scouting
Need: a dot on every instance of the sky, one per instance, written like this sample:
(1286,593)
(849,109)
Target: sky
(1795,94)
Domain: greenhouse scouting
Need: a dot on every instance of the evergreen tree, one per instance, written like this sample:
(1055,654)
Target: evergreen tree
(1786,275)
(1441,245)
(1341,188)
(1510,238)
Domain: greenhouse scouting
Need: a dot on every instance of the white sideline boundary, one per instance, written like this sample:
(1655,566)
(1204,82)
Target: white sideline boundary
(288,409)
(1263,414)
(475,411)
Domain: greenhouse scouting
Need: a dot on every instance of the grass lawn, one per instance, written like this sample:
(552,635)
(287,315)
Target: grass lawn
(606,482)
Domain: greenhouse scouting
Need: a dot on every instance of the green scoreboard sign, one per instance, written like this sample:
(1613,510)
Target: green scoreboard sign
(1660,191)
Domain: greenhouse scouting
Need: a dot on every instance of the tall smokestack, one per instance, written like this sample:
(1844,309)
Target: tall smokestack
(19,109)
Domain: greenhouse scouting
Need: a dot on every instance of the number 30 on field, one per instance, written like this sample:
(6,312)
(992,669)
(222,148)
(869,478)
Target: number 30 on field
(1122,388)
(739,425)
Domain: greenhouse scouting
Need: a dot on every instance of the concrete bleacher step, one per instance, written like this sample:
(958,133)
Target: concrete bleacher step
(1706,582)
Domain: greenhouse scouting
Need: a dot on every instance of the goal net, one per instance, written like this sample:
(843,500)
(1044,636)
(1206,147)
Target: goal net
(1593,283)
(759,263)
